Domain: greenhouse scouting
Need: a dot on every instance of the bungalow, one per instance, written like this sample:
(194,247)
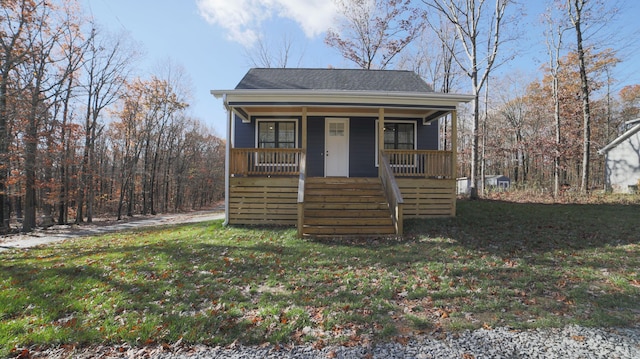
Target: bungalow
(337,151)
(622,161)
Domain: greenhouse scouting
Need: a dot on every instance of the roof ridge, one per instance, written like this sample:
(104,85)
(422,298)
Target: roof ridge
(326,69)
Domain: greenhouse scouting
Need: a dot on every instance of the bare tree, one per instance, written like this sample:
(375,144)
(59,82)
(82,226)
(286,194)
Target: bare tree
(106,69)
(266,54)
(554,32)
(575,10)
(473,23)
(431,58)
(35,75)
(372,33)
(588,18)
(514,110)
(433,61)
(168,98)
(15,17)
(73,47)
(44,74)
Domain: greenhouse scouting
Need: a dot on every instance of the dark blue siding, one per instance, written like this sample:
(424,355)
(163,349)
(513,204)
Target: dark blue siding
(245,134)
(362,143)
(315,147)
(427,136)
(362,147)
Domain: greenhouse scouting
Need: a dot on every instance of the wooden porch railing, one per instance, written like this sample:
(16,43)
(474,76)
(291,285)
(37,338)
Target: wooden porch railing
(392,193)
(421,163)
(265,161)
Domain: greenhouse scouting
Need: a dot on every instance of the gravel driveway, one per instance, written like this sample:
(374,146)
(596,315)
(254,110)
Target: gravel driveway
(60,233)
(570,342)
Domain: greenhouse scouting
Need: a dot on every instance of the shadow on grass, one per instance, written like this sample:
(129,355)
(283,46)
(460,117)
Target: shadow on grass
(505,228)
(496,263)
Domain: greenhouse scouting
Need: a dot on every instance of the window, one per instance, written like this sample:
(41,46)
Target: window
(336,129)
(398,135)
(276,134)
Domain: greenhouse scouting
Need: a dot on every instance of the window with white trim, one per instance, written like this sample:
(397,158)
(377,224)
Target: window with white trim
(398,135)
(276,134)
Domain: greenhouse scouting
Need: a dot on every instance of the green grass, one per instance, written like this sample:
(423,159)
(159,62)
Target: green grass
(495,264)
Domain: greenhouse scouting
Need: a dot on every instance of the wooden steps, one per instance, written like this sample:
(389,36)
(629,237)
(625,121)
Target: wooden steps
(346,207)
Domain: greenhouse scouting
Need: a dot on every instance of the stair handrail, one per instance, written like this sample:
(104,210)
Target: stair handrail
(392,192)
(301,180)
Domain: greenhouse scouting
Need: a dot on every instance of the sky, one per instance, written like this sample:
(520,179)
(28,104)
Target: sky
(210,40)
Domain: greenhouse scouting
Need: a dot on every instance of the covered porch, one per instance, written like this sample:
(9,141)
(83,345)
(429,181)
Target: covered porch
(273,185)
(336,161)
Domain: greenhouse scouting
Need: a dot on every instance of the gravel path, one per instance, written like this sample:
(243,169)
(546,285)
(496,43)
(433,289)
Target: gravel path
(60,233)
(570,342)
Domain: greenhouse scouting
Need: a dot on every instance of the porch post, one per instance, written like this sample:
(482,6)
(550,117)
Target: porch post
(454,158)
(227,166)
(380,138)
(304,129)
(303,175)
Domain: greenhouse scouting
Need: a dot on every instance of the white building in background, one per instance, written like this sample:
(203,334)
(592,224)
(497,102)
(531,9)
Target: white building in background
(622,161)
(494,183)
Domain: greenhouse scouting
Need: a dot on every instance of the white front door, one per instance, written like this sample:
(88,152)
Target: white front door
(336,144)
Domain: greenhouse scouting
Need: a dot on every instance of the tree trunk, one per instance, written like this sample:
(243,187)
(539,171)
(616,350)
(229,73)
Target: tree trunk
(474,141)
(4,155)
(584,85)
(556,157)
(90,186)
(31,147)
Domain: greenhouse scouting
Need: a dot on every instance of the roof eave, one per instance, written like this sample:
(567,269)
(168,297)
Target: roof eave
(302,96)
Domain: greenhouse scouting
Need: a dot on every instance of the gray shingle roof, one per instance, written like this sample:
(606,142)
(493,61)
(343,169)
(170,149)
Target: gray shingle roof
(333,79)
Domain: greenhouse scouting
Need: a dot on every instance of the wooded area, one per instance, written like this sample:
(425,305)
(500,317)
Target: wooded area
(541,131)
(82,134)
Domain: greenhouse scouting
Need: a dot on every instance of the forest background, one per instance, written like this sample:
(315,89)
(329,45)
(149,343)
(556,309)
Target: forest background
(84,132)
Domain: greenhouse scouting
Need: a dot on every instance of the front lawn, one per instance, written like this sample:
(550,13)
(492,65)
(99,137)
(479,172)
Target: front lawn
(495,264)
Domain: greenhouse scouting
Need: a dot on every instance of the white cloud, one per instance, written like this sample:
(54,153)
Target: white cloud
(242,18)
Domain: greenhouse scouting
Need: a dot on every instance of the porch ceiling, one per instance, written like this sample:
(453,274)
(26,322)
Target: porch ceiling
(428,106)
(340,111)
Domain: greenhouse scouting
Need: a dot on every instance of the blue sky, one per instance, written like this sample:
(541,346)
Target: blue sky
(210,39)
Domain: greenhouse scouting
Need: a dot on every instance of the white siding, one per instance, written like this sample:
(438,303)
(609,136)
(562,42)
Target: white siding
(623,164)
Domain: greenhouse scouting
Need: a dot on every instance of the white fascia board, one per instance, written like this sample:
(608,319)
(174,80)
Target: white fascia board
(219,93)
(347,98)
